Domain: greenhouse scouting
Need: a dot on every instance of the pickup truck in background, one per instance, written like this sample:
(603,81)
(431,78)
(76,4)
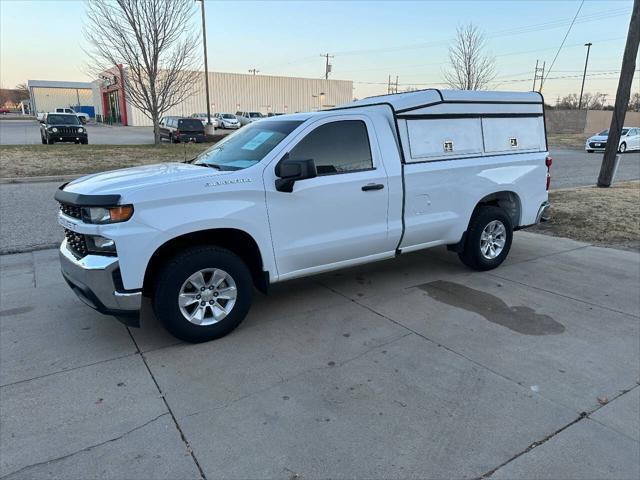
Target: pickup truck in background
(289,197)
(83,117)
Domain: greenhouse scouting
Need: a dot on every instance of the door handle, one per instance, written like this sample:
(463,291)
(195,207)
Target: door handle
(372,186)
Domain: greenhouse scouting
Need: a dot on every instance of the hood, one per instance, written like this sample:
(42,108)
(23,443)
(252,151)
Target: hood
(229,120)
(134,178)
(598,138)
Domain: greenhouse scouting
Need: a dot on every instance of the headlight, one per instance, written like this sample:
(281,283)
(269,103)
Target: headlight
(98,244)
(107,214)
(80,130)
(54,129)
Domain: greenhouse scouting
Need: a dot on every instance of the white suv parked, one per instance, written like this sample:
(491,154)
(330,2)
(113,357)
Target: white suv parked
(294,196)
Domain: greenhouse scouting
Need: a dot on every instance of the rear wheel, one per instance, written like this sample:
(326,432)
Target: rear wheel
(488,239)
(622,148)
(203,293)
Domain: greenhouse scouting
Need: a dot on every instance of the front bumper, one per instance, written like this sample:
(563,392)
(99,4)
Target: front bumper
(95,279)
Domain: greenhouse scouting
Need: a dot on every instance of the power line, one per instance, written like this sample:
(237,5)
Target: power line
(596,16)
(562,44)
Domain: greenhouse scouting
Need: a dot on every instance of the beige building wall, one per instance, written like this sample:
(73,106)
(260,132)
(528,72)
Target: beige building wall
(585,121)
(598,120)
(230,92)
(48,99)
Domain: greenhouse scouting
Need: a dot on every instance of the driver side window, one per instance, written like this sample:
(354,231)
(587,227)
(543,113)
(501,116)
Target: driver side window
(336,147)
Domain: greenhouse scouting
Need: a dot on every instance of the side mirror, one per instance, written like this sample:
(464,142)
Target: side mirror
(289,171)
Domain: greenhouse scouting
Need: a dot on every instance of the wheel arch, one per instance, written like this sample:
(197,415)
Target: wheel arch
(508,200)
(235,240)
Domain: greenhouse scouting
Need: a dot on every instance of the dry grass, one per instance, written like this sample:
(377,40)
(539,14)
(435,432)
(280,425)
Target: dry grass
(567,140)
(37,160)
(603,216)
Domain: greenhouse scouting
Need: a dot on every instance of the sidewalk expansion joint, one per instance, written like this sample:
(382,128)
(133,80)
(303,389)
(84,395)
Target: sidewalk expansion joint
(173,417)
(85,449)
(535,444)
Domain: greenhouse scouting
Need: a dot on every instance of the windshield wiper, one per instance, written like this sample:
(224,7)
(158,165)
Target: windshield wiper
(210,165)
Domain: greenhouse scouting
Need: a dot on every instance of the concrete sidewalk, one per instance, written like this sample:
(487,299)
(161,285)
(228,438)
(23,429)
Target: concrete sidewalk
(411,368)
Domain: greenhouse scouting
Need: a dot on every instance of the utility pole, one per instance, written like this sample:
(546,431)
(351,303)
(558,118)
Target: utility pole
(327,67)
(206,66)
(389,86)
(254,71)
(396,91)
(584,75)
(610,158)
(538,73)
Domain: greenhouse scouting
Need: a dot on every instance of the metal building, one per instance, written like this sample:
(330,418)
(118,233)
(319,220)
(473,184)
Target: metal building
(229,93)
(47,95)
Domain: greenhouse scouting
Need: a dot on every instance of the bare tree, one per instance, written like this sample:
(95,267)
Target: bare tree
(22,91)
(590,101)
(470,68)
(634,102)
(154,41)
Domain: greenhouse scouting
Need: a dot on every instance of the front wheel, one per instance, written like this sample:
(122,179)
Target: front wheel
(622,148)
(488,239)
(203,293)
(50,140)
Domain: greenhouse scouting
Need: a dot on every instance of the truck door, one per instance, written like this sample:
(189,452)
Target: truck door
(338,216)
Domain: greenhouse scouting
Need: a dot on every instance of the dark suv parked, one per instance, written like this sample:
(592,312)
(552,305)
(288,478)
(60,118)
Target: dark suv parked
(180,129)
(62,127)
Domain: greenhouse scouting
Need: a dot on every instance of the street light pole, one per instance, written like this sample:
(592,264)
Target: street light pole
(588,45)
(206,66)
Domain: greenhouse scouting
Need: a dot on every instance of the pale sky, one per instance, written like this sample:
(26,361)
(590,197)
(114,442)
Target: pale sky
(43,40)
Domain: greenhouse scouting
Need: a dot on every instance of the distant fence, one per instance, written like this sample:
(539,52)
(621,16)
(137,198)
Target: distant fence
(585,121)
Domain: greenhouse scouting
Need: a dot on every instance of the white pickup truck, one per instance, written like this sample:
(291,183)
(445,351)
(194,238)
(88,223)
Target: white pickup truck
(293,196)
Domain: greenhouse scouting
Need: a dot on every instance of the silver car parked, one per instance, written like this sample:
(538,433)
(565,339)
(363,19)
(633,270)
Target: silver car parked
(246,118)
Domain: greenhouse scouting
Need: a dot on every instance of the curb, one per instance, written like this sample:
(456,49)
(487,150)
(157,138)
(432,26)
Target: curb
(35,248)
(41,179)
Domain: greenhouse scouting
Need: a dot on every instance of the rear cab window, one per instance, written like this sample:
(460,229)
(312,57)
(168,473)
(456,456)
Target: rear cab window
(190,125)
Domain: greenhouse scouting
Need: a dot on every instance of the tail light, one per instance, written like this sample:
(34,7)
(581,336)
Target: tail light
(548,162)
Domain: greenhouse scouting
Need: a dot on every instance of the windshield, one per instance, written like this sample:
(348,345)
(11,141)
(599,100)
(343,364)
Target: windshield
(228,116)
(605,133)
(255,115)
(62,120)
(247,146)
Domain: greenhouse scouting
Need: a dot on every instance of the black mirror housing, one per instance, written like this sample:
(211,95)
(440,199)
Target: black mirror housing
(289,171)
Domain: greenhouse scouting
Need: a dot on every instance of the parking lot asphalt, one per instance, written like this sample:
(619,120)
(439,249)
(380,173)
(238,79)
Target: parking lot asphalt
(410,368)
(27,132)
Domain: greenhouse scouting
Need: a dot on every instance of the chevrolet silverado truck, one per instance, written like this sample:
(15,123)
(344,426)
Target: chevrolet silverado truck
(289,197)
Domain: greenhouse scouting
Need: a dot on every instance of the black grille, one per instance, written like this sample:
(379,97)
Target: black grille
(76,243)
(67,130)
(598,144)
(71,210)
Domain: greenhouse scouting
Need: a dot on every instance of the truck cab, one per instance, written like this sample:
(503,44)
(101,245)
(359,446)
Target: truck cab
(293,196)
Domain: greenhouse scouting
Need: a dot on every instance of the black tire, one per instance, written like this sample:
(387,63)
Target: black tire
(175,273)
(622,148)
(472,255)
(50,140)
(84,141)
(44,141)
